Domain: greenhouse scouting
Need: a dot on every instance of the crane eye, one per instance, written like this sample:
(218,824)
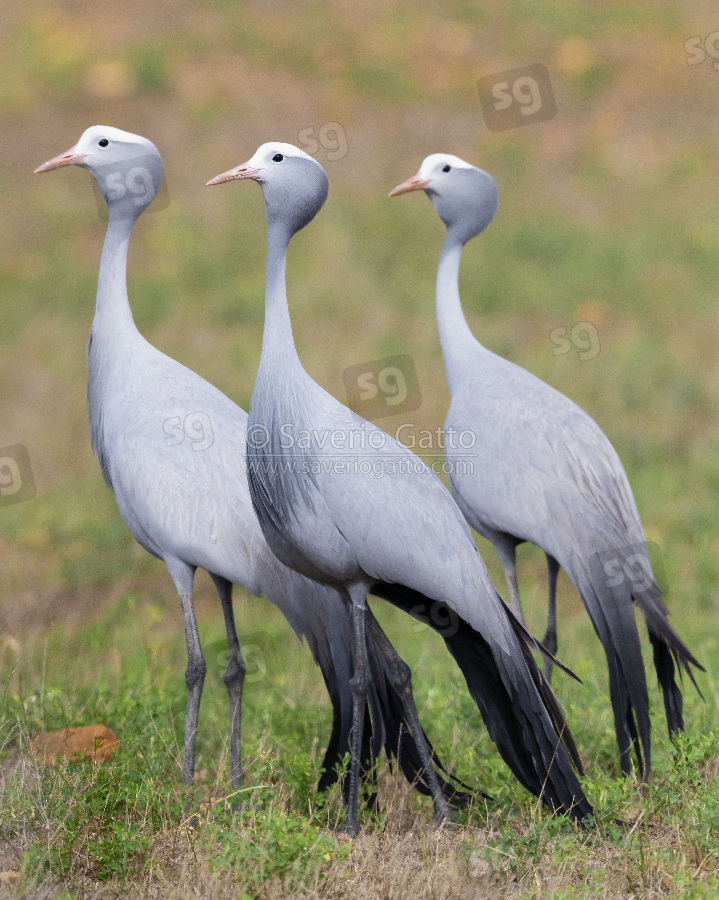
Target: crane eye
(446,167)
(278,157)
(103,142)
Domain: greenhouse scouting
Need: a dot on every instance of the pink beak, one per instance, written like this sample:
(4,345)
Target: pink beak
(69,158)
(412,184)
(239,172)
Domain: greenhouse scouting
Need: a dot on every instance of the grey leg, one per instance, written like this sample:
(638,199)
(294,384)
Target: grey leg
(550,637)
(359,683)
(234,677)
(507,552)
(401,678)
(184,576)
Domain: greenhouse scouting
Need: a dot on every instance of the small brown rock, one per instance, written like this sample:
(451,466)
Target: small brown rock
(89,742)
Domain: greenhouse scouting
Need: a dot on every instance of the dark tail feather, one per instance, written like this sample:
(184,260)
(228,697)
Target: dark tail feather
(339,742)
(512,715)
(668,649)
(673,702)
(512,705)
(386,726)
(545,692)
(399,743)
(615,581)
(526,638)
(611,610)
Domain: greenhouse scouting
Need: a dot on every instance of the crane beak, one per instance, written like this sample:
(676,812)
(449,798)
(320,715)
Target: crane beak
(236,174)
(412,184)
(69,158)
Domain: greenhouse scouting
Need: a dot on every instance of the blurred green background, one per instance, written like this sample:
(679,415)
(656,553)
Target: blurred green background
(607,217)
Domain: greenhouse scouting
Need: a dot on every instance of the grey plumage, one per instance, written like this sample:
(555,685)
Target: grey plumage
(172,448)
(543,471)
(340,501)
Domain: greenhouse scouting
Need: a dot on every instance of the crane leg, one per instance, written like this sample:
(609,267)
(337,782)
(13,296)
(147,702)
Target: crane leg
(234,677)
(195,680)
(401,676)
(550,636)
(359,684)
(184,575)
(507,552)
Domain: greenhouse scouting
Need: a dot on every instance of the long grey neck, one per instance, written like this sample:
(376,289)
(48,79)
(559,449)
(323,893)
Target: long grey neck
(455,336)
(112,307)
(277,337)
(112,340)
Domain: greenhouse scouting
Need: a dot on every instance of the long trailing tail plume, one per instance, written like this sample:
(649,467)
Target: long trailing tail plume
(385,723)
(614,582)
(612,615)
(521,713)
(668,649)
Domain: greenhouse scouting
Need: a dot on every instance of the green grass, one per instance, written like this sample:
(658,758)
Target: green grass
(127,821)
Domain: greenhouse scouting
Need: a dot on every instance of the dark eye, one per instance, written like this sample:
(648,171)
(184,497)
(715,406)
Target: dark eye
(446,167)
(103,142)
(278,157)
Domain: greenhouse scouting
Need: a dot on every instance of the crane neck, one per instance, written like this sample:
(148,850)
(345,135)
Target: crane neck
(455,336)
(112,306)
(277,339)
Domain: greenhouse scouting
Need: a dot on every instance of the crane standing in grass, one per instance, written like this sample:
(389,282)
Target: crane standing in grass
(340,501)
(543,471)
(172,448)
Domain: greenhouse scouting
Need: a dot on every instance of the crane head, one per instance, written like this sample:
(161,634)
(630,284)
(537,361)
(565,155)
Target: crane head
(294,184)
(127,167)
(465,197)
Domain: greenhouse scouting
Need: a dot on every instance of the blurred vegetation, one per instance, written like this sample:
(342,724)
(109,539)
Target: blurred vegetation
(607,216)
